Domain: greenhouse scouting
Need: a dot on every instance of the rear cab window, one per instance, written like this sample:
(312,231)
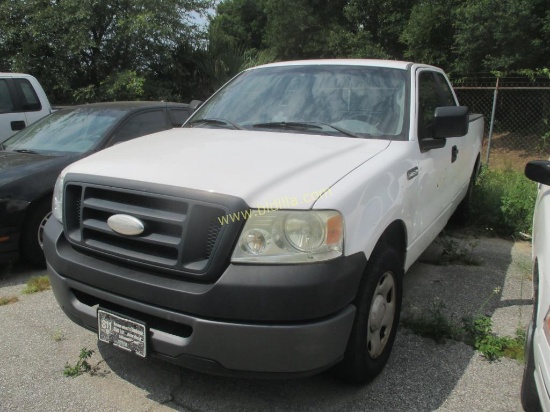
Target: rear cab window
(29,99)
(6,102)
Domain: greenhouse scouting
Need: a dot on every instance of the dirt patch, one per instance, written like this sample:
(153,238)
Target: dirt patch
(514,150)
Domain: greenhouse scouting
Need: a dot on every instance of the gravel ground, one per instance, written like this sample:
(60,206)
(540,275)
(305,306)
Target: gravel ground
(37,340)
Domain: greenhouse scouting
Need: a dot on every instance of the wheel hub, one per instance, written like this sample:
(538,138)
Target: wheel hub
(381,315)
(377,312)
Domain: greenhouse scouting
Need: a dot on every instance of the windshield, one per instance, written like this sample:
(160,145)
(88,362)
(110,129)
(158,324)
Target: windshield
(358,101)
(68,131)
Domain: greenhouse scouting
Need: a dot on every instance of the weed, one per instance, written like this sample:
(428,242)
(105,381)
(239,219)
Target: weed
(456,253)
(475,331)
(503,202)
(81,365)
(37,284)
(493,347)
(432,324)
(58,336)
(6,300)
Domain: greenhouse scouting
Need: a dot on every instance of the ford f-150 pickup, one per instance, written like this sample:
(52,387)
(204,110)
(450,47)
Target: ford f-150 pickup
(269,236)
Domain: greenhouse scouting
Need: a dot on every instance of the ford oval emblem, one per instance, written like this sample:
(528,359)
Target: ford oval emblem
(126,225)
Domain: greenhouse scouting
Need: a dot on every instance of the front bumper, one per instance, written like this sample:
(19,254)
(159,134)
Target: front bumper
(269,320)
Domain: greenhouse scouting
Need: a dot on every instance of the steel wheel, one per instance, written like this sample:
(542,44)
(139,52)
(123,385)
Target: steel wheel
(382,315)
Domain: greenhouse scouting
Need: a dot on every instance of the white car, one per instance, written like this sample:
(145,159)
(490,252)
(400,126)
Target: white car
(536,376)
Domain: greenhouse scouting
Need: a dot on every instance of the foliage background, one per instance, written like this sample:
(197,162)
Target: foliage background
(96,50)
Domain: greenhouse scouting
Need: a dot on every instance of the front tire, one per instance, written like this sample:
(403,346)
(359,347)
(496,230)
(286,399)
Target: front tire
(33,232)
(378,305)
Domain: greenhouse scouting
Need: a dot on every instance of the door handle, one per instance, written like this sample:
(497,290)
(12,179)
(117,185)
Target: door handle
(17,125)
(454,154)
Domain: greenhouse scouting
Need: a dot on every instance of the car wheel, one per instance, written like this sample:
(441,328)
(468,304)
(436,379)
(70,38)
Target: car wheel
(529,395)
(378,305)
(33,233)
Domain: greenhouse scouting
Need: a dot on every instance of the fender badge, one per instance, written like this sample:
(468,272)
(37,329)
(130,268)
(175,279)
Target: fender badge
(126,225)
(412,173)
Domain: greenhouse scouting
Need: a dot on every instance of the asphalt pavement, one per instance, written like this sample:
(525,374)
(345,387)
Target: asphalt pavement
(37,340)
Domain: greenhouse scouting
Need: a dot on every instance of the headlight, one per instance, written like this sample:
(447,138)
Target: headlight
(290,237)
(57,201)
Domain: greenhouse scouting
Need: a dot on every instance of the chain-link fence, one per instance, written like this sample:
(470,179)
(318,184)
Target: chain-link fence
(517,117)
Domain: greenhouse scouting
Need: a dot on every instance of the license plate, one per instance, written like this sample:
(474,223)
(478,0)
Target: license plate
(122,332)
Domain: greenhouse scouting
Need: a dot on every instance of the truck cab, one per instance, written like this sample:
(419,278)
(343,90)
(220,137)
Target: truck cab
(22,102)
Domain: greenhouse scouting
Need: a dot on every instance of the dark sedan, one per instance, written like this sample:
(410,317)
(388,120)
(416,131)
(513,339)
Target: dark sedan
(31,160)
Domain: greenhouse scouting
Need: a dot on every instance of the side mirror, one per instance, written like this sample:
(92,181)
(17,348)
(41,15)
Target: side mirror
(538,171)
(195,104)
(451,121)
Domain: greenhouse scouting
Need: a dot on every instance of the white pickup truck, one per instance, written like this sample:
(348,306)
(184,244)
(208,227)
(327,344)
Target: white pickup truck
(22,102)
(270,235)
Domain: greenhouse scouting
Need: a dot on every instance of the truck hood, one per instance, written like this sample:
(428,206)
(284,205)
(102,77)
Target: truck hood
(262,168)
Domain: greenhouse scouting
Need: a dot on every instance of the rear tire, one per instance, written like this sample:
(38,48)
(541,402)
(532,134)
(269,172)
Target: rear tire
(462,213)
(33,232)
(378,305)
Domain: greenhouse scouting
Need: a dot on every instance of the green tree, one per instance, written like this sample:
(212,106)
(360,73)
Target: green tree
(501,35)
(376,27)
(240,23)
(92,50)
(429,33)
(298,29)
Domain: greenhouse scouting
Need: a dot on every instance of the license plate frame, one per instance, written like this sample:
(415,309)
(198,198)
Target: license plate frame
(122,332)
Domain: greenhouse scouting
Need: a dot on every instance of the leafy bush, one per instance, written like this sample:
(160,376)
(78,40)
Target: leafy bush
(503,202)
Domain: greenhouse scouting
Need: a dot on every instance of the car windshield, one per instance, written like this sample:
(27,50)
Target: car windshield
(344,100)
(68,131)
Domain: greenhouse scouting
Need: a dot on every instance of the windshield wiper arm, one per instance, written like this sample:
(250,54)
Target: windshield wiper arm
(339,129)
(303,125)
(218,122)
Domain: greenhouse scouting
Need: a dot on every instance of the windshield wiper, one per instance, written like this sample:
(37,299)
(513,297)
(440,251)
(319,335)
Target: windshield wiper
(25,151)
(216,122)
(303,126)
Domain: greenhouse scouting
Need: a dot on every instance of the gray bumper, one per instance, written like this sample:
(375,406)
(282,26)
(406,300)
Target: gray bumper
(291,320)
(221,347)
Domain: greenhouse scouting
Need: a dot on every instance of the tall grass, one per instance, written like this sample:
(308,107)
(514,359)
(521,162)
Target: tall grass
(503,202)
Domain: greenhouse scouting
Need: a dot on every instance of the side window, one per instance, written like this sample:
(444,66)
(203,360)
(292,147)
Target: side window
(6,104)
(446,92)
(140,125)
(178,116)
(433,92)
(30,101)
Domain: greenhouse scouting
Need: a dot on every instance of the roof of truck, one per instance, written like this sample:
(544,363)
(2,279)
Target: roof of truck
(345,62)
(3,74)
